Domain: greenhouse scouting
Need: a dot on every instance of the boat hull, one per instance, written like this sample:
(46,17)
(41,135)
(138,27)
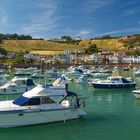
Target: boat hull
(26,74)
(136,93)
(112,86)
(37,117)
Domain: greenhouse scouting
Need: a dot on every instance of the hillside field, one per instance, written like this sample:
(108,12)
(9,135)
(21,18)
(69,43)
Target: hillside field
(122,43)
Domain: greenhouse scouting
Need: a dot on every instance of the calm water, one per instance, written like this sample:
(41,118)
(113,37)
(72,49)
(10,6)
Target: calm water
(112,115)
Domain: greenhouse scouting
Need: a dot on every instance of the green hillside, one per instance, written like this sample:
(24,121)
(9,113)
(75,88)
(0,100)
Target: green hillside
(122,43)
(30,45)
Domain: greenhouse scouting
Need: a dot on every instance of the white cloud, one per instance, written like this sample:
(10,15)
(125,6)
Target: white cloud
(130,12)
(83,33)
(131,3)
(93,5)
(44,20)
(129,9)
(121,31)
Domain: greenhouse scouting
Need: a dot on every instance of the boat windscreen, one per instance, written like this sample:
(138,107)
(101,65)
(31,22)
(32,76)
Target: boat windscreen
(20,101)
(30,82)
(125,80)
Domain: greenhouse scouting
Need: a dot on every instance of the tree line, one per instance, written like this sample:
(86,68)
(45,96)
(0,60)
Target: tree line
(16,36)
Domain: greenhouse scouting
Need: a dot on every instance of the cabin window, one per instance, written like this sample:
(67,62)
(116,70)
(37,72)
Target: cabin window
(32,101)
(18,82)
(47,101)
(1,78)
(115,79)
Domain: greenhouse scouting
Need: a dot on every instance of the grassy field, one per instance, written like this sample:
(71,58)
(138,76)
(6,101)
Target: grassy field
(30,45)
(47,52)
(43,45)
(112,44)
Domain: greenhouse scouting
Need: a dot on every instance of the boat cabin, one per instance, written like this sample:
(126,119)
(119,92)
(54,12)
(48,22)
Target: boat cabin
(21,81)
(118,79)
(24,101)
(38,96)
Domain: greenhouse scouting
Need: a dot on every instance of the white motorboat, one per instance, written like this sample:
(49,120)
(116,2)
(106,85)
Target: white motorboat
(17,85)
(37,75)
(26,72)
(105,70)
(75,71)
(83,79)
(22,72)
(100,75)
(58,83)
(39,106)
(66,77)
(52,73)
(137,73)
(136,93)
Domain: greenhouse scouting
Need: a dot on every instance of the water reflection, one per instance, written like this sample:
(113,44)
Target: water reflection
(9,97)
(112,100)
(137,102)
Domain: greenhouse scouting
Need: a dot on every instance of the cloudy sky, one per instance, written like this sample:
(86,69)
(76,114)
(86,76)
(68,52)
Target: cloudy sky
(55,18)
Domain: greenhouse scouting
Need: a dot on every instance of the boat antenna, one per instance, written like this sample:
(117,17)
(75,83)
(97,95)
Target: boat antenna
(66,87)
(130,66)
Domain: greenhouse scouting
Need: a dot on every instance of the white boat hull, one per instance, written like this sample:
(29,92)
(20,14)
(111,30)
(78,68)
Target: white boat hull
(136,93)
(38,117)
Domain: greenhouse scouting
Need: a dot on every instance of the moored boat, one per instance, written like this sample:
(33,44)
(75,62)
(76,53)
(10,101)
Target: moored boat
(39,106)
(136,93)
(75,71)
(17,85)
(137,73)
(83,79)
(114,83)
(22,72)
(100,75)
(52,73)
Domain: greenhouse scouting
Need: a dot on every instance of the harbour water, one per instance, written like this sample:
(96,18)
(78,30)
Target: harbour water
(111,115)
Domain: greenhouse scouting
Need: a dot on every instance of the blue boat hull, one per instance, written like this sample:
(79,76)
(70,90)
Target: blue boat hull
(113,86)
(22,74)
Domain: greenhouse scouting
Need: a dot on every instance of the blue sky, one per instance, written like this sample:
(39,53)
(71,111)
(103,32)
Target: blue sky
(84,18)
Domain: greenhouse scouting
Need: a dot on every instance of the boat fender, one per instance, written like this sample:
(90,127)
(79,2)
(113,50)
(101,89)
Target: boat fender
(26,89)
